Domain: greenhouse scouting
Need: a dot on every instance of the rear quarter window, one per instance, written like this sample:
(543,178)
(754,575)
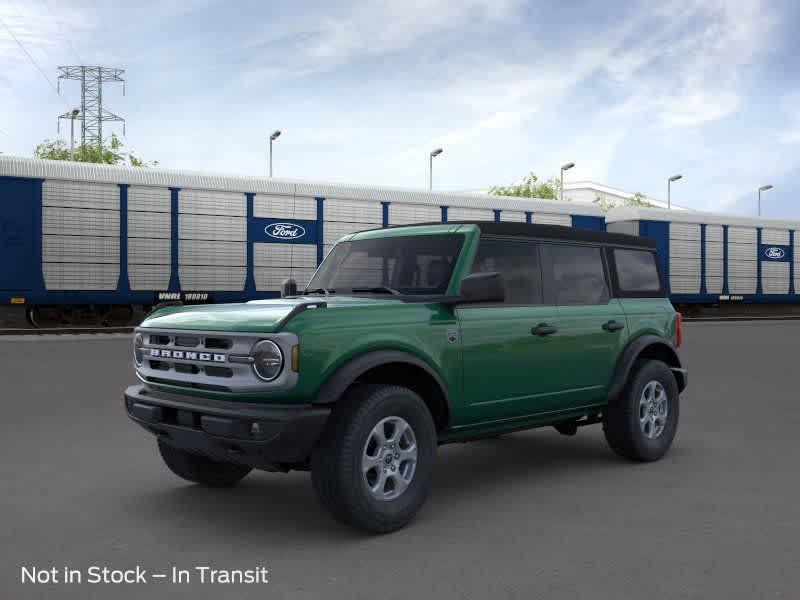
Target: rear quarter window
(637,272)
(576,274)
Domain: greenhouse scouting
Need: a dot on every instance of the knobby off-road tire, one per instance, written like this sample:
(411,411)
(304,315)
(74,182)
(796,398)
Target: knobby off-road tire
(641,422)
(199,469)
(362,467)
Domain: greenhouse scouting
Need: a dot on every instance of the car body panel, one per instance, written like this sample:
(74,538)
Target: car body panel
(496,373)
(508,371)
(588,352)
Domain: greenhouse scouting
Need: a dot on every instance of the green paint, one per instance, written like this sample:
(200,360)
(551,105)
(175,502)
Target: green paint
(496,373)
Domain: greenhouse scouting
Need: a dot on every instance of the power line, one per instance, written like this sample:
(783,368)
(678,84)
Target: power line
(60,24)
(30,57)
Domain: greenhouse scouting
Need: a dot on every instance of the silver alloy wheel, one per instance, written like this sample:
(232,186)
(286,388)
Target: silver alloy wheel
(389,459)
(653,409)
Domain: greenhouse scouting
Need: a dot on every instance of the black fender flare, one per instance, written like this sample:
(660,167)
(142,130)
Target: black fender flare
(346,374)
(634,350)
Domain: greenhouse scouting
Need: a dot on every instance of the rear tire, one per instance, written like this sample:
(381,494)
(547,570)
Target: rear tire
(641,422)
(200,469)
(373,467)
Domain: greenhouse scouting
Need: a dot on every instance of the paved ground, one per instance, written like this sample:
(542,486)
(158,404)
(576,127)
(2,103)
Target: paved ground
(530,515)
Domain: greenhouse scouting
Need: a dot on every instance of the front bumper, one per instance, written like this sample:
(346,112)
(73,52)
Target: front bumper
(269,437)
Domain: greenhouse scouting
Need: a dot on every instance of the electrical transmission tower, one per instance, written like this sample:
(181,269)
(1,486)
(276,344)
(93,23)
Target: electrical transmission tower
(92,114)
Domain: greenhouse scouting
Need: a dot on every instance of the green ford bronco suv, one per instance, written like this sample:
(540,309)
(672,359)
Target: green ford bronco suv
(411,337)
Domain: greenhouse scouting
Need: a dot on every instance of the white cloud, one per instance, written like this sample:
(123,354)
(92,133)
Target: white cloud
(365,90)
(43,28)
(365,29)
(699,53)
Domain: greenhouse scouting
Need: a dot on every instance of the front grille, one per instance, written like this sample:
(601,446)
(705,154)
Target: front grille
(194,359)
(218,343)
(184,353)
(184,368)
(219,372)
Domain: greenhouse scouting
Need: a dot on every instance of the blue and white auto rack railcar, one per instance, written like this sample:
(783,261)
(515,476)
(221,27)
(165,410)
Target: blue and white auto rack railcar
(95,236)
(710,258)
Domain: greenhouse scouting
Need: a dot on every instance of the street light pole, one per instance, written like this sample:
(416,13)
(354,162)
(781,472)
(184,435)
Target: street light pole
(669,195)
(436,152)
(275,135)
(763,188)
(73,114)
(565,167)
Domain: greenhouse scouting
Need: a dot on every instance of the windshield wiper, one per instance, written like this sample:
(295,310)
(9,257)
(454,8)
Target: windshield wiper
(321,290)
(377,289)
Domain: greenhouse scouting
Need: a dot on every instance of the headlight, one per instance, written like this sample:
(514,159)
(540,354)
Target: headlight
(267,360)
(138,349)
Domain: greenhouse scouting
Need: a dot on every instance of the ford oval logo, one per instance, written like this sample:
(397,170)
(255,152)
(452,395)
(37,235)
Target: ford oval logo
(285,231)
(774,253)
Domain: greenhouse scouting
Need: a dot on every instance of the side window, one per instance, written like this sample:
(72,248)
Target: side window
(576,273)
(637,271)
(517,262)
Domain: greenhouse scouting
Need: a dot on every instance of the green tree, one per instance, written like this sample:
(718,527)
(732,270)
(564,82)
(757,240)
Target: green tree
(530,187)
(638,199)
(110,154)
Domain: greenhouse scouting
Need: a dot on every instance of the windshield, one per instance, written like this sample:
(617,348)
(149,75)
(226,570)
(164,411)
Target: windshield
(419,264)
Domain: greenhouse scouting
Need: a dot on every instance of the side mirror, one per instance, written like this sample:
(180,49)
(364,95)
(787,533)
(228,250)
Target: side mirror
(483,287)
(288,288)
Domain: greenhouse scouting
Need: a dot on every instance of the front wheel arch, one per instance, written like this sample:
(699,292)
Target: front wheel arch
(390,367)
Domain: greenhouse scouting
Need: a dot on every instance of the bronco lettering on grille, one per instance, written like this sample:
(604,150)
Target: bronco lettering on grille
(181,354)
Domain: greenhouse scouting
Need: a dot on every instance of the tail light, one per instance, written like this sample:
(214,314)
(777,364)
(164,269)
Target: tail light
(678,330)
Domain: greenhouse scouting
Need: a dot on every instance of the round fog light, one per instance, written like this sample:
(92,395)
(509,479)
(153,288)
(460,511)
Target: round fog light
(267,360)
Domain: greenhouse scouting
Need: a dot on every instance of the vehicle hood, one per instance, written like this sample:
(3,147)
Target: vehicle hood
(259,316)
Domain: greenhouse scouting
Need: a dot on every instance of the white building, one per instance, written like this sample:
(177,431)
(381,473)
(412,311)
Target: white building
(589,191)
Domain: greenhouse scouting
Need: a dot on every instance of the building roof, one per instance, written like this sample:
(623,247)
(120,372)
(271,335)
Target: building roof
(613,191)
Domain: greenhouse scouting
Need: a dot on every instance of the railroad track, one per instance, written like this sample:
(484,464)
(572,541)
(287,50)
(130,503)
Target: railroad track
(63,330)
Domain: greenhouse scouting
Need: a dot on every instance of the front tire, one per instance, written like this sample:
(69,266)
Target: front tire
(373,466)
(200,469)
(641,422)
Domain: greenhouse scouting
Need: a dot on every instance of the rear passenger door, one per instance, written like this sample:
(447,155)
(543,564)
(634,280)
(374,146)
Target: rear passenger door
(592,330)
(508,370)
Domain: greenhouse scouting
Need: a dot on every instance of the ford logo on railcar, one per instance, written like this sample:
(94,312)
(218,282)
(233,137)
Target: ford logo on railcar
(774,253)
(285,231)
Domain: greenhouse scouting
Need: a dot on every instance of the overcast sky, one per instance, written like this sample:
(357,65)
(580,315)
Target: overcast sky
(630,92)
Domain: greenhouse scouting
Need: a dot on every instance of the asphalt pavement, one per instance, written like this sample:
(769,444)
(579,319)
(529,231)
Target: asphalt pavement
(527,515)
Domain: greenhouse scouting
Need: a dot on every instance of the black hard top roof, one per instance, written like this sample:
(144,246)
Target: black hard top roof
(555,232)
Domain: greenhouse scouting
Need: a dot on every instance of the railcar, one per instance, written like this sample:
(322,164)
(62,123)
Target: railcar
(709,258)
(83,241)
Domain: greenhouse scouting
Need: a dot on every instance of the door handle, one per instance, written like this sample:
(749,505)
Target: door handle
(613,326)
(543,330)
